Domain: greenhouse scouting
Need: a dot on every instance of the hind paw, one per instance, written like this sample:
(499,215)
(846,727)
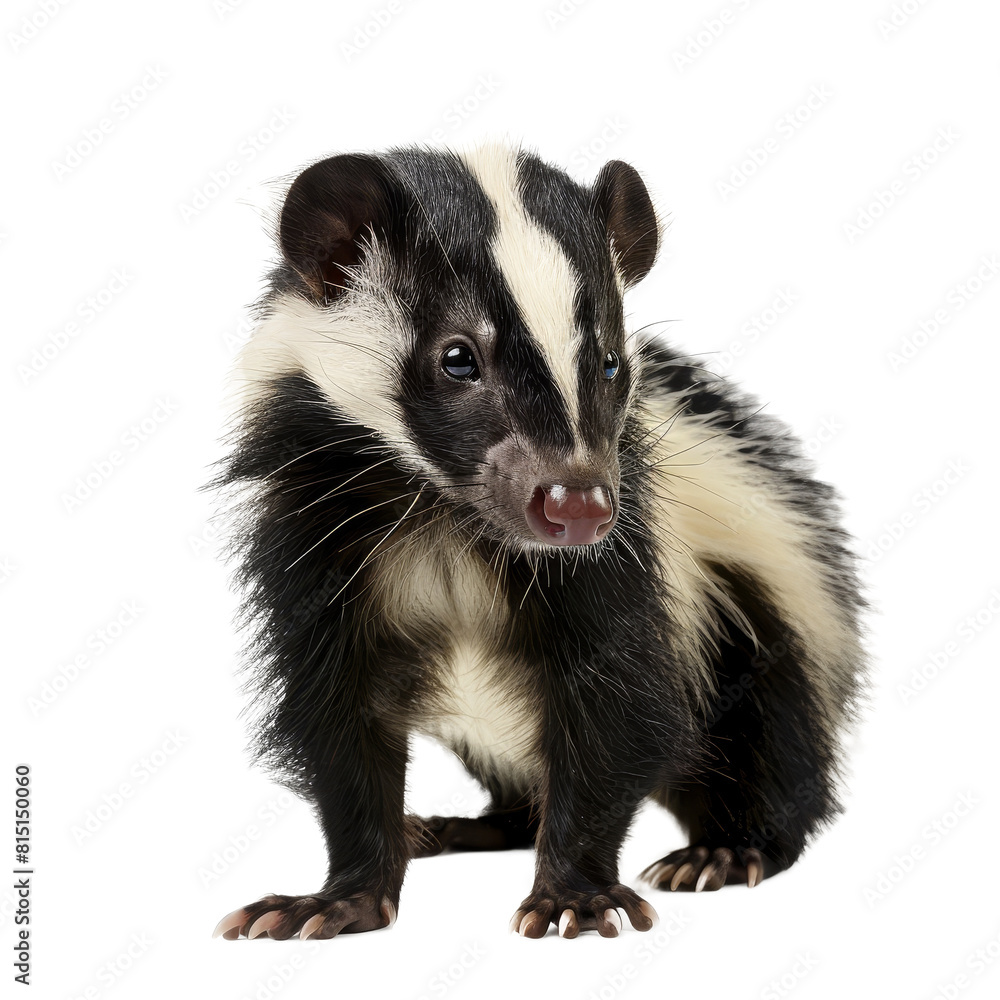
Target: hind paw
(316,916)
(693,869)
(434,834)
(496,830)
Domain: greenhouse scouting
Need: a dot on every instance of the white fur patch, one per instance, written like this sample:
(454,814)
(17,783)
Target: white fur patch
(540,276)
(429,579)
(478,714)
(714,506)
(351,350)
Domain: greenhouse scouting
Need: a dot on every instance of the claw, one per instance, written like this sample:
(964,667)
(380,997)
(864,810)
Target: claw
(533,925)
(569,926)
(662,874)
(229,926)
(264,923)
(706,874)
(654,873)
(312,925)
(649,913)
(388,912)
(681,875)
(755,873)
(614,918)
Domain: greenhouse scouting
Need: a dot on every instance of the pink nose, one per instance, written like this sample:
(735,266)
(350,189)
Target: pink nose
(561,516)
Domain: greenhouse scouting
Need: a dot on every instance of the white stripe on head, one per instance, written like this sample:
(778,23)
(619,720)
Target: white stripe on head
(540,276)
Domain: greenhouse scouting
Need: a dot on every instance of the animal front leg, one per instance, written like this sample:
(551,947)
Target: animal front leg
(584,822)
(359,797)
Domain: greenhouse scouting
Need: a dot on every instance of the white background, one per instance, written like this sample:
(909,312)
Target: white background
(129,718)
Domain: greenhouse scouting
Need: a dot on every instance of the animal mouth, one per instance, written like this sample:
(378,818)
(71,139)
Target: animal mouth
(557,515)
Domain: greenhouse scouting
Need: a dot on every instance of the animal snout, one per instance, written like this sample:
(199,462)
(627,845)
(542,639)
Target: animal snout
(562,516)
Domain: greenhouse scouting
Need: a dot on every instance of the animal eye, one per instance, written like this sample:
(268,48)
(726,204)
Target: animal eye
(459,362)
(611,365)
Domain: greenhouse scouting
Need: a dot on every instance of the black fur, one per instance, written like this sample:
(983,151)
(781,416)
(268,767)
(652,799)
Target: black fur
(747,759)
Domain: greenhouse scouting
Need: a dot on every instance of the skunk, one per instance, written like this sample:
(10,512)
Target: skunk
(469,504)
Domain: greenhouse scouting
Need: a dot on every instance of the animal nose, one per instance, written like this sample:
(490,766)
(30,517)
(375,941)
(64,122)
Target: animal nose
(561,516)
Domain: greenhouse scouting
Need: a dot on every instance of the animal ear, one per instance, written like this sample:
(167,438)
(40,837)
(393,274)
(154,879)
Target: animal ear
(331,209)
(623,205)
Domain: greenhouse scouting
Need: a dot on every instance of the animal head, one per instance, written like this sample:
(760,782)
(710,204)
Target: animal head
(468,308)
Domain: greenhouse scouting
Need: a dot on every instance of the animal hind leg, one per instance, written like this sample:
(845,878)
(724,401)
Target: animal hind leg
(499,828)
(770,782)
(510,820)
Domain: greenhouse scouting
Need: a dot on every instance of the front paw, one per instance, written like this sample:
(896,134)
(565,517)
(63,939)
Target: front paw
(575,910)
(319,916)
